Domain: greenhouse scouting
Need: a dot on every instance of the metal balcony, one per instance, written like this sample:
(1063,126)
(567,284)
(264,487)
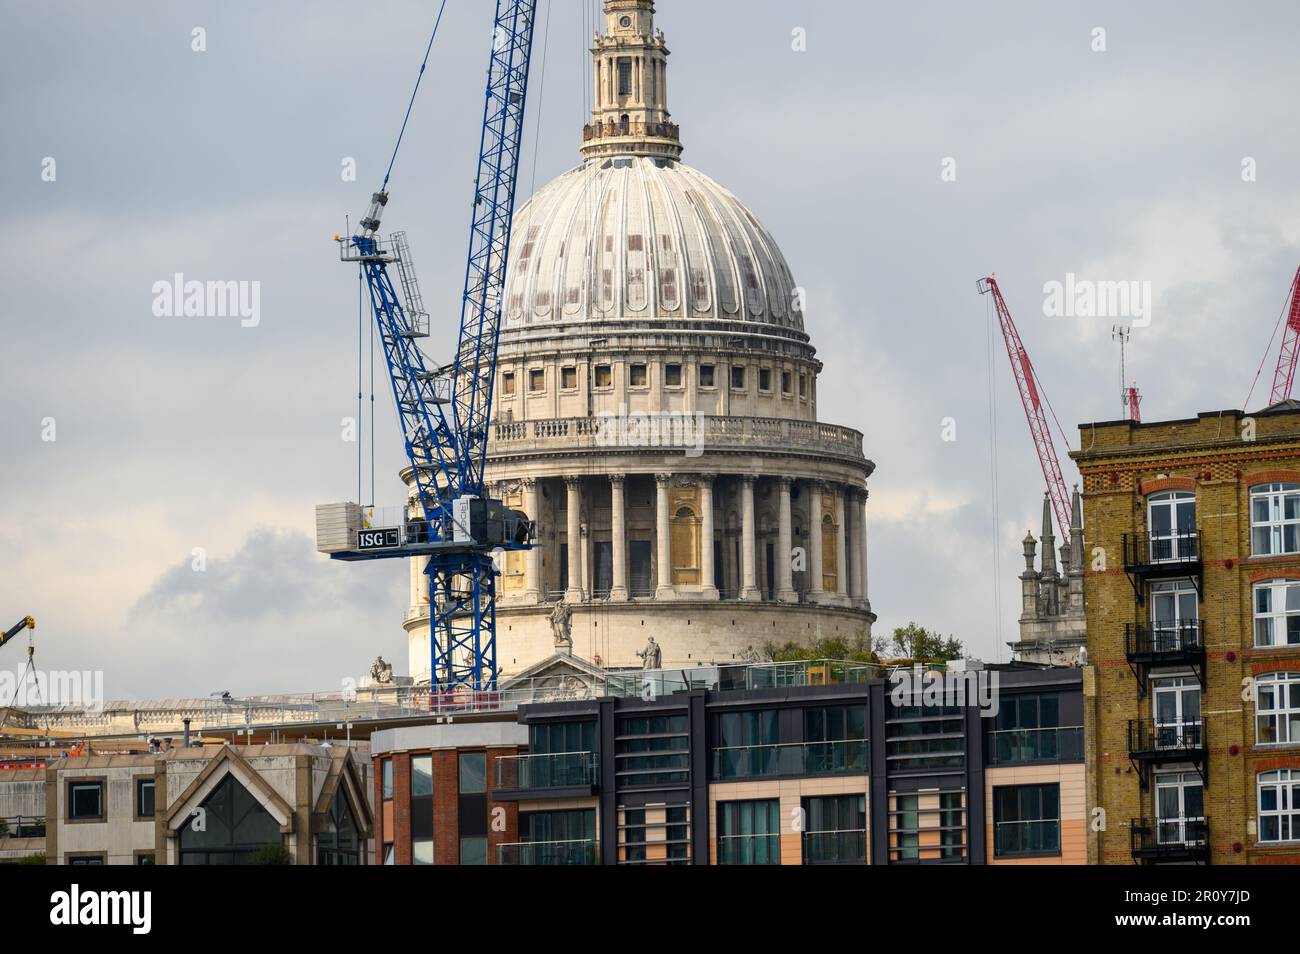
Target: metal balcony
(1162,556)
(1152,744)
(1170,841)
(554,775)
(1163,644)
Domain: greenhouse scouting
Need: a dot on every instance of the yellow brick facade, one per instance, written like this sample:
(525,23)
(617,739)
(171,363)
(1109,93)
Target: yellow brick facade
(1217,457)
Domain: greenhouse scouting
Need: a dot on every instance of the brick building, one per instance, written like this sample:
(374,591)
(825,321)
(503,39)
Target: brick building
(1192,688)
(435,791)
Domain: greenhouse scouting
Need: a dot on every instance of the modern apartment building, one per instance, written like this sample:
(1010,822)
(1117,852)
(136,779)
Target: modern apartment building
(776,763)
(1193,612)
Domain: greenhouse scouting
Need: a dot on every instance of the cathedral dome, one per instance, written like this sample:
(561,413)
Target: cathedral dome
(655,412)
(632,238)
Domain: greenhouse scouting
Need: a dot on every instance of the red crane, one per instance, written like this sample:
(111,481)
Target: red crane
(1284,376)
(1023,369)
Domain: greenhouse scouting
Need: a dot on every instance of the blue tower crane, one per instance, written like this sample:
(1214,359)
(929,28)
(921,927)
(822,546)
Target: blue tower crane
(445,410)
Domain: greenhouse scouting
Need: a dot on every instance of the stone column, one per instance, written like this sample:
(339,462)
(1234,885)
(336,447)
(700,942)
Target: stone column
(863,564)
(749,572)
(841,550)
(708,583)
(573,593)
(422,591)
(417,564)
(618,537)
(664,589)
(854,518)
(784,540)
(815,555)
(533,558)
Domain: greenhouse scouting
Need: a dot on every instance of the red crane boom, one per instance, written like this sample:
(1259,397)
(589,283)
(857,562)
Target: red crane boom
(1284,376)
(1023,369)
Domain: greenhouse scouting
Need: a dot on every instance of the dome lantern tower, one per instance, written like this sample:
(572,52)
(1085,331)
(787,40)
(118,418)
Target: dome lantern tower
(630,116)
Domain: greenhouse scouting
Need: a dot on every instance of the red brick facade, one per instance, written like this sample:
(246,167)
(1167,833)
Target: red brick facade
(393,819)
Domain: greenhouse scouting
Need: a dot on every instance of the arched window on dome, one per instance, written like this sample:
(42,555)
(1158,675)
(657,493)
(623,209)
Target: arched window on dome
(684,535)
(830,555)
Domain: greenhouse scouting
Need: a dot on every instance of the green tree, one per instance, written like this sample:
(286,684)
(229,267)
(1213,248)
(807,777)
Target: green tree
(4,828)
(917,642)
(36,859)
(858,648)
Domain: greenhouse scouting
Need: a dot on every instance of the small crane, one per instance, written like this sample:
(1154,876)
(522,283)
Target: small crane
(1023,369)
(445,409)
(26,622)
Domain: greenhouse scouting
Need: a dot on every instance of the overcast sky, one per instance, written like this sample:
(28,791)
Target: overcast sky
(225,164)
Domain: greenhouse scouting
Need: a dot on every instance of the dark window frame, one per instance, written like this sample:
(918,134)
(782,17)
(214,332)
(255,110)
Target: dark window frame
(139,781)
(460,772)
(99,780)
(999,790)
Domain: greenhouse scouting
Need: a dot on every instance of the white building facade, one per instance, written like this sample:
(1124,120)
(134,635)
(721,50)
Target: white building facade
(655,410)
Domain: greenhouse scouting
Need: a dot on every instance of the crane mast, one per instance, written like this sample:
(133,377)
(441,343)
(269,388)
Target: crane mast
(1284,375)
(1023,370)
(445,410)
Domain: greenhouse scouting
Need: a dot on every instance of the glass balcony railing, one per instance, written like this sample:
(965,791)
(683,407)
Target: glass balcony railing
(554,770)
(582,852)
(805,672)
(847,757)
(843,847)
(1054,744)
(764,849)
(1027,838)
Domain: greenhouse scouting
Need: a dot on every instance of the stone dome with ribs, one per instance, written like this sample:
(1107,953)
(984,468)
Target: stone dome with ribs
(638,238)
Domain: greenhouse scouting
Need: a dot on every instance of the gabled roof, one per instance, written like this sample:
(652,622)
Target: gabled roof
(343,772)
(229,762)
(557,666)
